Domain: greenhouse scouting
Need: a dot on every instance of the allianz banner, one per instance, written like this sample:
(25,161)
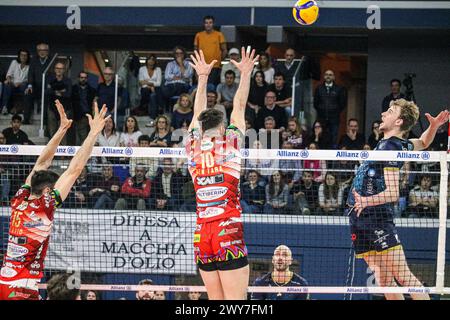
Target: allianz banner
(122,242)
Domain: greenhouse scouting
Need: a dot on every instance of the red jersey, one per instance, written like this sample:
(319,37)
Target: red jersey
(29,231)
(215,167)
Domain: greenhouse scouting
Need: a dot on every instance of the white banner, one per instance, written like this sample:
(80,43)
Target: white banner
(122,242)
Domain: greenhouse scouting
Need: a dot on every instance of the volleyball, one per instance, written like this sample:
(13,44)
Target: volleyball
(305,12)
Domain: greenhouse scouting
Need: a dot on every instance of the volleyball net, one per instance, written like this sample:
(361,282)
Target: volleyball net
(131,216)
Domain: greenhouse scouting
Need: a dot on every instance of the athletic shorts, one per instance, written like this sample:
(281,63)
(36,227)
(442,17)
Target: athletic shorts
(219,245)
(373,236)
(14,293)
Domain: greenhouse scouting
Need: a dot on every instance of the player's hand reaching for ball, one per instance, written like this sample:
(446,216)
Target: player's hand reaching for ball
(97,123)
(199,64)
(439,120)
(247,62)
(64,123)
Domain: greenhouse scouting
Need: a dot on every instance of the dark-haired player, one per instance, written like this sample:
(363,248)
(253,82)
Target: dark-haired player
(376,189)
(215,165)
(33,209)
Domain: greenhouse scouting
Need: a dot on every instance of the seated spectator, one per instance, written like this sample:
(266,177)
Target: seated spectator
(297,137)
(376,135)
(109,137)
(281,276)
(193,90)
(253,195)
(5,182)
(440,141)
(161,137)
(167,187)
(283,92)
(135,190)
(318,167)
(395,94)
(265,66)
(182,111)
(145,294)
(211,103)
(177,136)
(320,136)
(159,295)
(330,196)
(58,87)
(344,170)
(91,295)
(58,288)
(150,77)
(82,98)
(291,168)
(178,75)
(13,134)
(271,109)
(423,200)
(353,140)
(106,189)
(79,194)
(194,295)
(226,91)
(306,194)
(367,147)
(269,136)
(188,197)
(150,163)
(265,167)
(16,79)
(131,133)
(235,56)
(258,89)
(277,193)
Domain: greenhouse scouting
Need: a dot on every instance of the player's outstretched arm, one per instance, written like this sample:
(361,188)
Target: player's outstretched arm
(428,135)
(46,157)
(203,70)
(245,66)
(68,178)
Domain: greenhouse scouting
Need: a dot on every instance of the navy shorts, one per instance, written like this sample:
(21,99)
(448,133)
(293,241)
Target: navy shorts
(372,232)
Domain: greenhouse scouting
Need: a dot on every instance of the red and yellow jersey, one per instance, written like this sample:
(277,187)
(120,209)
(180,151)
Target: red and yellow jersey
(215,167)
(29,231)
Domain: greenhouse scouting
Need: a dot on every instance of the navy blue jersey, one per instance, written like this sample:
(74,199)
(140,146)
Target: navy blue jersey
(267,281)
(369,179)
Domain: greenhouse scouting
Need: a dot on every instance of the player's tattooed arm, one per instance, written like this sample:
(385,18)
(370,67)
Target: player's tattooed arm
(46,157)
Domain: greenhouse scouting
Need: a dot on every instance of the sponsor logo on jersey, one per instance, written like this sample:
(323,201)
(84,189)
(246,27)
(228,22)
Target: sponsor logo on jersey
(210,212)
(227,158)
(196,238)
(211,193)
(34,206)
(18,294)
(35,265)
(225,232)
(18,259)
(22,206)
(17,240)
(206,145)
(230,221)
(15,251)
(34,272)
(204,181)
(8,272)
(229,243)
(217,203)
(198,227)
(33,224)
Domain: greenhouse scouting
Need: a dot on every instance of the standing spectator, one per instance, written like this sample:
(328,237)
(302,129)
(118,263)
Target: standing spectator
(135,190)
(353,140)
(265,66)
(83,96)
(318,167)
(13,134)
(376,135)
(178,75)
(106,90)
(423,200)
(211,103)
(131,133)
(330,196)
(16,79)
(106,190)
(277,193)
(109,137)
(161,137)
(271,109)
(283,92)
(34,90)
(305,194)
(150,163)
(258,91)
(182,111)
(395,94)
(297,137)
(145,294)
(227,90)
(253,195)
(329,101)
(234,55)
(214,47)
(320,136)
(150,77)
(167,187)
(281,276)
(288,67)
(59,87)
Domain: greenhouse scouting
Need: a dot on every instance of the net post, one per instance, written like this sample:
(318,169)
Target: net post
(440,263)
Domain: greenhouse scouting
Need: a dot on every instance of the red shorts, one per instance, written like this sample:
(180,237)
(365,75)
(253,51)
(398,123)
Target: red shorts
(11,293)
(219,245)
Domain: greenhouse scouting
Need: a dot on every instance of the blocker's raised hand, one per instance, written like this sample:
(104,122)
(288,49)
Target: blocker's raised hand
(199,64)
(247,62)
(98,122)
